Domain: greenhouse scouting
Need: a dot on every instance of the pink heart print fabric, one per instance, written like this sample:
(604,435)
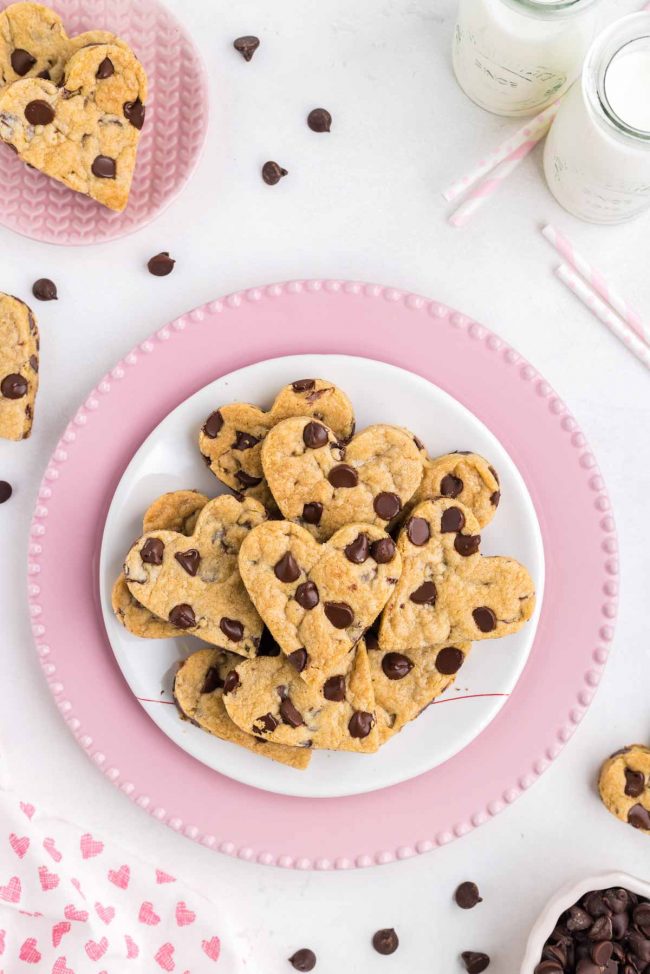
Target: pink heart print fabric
(72,902)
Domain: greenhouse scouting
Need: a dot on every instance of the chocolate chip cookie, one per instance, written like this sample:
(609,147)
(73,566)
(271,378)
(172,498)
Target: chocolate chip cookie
(19,345)
(624,785)
(464,477)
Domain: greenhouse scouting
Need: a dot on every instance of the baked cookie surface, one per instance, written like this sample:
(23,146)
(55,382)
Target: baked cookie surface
(465,477)
(19,362)
(624,785)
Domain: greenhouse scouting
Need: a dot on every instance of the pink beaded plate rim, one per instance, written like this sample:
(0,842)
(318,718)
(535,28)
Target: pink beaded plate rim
(543,394)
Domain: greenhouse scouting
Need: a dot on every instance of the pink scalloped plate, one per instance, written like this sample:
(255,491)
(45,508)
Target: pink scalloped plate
(174,134)
(575,627)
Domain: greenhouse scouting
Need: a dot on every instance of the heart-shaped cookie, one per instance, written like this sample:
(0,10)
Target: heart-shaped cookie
(624,785)
(231,438)
(323,484)
(86,133)
(194,582)
(268,698)
(318,600)
(465,477)
(198,691)
(175,511)
(18,368)
(405,683)
(448,592)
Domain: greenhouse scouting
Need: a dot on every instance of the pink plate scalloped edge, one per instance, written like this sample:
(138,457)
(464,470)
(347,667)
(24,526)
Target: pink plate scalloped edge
(172,140)
(488,376)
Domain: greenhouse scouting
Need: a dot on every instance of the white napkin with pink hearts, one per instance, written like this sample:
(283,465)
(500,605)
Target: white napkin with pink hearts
(76,903)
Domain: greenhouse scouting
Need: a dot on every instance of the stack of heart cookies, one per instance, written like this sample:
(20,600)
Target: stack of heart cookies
(72,107)
(339,588)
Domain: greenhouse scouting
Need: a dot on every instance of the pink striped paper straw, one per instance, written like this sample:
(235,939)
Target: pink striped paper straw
(533,129)
(595,279)
(481,193)
(604,313)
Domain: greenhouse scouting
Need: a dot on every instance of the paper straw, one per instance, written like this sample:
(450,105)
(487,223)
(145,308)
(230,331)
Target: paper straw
(535,128)
(481,193)
(596,280)
(604,313)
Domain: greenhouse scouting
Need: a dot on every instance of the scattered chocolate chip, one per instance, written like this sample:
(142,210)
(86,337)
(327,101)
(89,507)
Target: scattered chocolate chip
(189,560)
(22,61)
(319,120)
(634,783)
(495,498)
(213,425)
(289,714)
(104,167)
(467,895)
(425,595)
(231,682)
(13,386)
(418,531)
(39,112)
(244,441)
(303,385)
(343,476)
(265,724)
(152,551)
(385,941)
(451,486)
(339,614)
(287,569)
(247,479)
(475,962)
(467,544)
(639,817)
(232,628)
(182,616)
(312,513)
(396,666)
(360,724)
(272,173)
(161,265)
(452,519)
(134,112)
(485,618)
(105,70)
(449,660)
(358,550)
(303,960)
(44,289)
(383,550)
(314,436)
(307,595)
(247,46)
(212,681)
(334,689)
(299,659)
(6,490)
(387,505)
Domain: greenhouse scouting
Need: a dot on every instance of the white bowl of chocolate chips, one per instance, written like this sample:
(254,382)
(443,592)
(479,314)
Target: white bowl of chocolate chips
(599,925)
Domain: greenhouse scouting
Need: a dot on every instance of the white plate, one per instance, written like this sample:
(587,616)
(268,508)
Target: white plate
(170,460)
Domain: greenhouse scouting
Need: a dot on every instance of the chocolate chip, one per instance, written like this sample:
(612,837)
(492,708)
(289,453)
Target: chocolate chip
(602,929)
(307,595)
(640,945)
(418,531)
(601,953)
(383,550)
(594,903)
(396,666)
(387,505)
(334,689)
(33,361)
(617,900)
(343,476)
(231,682)
(161,265)
(303,385)
(314,436)
(467,896)
(451,486)
(385,941)
(189,560)
(246,45)
(104,167)
(549,967)
(449,660)
(634,783)
(182,616)
(319,120)
(484,618)
(272,173)
(289,714)
(578,919)
(6,490)
(425,595)
(641,917)
(45,75)
(312,512)
(232,628)
(467,544)
(360,724)
(299,659)
(39,112)
(638,817)
(212,681)
(152,551)
(134,112)
(358,550)
(287,569)
(22,61)
(475,962)
(452,519)
(303,960)
(45,290)
(244,441)
(339,614)
(495,498)
(620,923)
(105,70)
(13,386)
(213,425)
(265,724)
(247,479)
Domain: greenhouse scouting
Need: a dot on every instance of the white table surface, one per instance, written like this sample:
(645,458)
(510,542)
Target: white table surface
(362,202)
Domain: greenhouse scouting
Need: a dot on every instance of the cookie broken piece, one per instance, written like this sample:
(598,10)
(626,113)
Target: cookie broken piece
(19,359)
(198,691)
(268,698)
(86,133)
(624,786)
(464,477)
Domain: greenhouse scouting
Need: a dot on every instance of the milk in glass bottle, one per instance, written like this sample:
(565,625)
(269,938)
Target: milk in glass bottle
(515,57)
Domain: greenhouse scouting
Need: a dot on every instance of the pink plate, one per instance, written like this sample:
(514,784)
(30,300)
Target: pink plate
(177,121)
(490,379)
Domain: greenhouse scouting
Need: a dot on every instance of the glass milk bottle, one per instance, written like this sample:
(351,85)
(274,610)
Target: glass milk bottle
(597,154)
(515,57)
